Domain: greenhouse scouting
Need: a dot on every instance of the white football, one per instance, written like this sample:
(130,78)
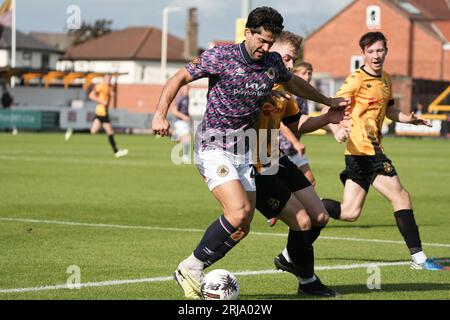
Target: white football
(220,284)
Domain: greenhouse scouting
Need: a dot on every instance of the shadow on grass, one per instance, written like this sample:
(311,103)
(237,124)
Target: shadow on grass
(358,260)
(349,225)
(357,289)
(393,287)
(445,261)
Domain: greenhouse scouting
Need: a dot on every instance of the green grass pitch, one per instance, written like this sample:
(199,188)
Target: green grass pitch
(126,223)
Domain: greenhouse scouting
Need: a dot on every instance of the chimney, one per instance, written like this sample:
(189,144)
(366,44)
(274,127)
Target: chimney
(190,44)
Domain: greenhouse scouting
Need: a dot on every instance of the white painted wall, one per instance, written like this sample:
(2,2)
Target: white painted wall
(138,72)
(34,61)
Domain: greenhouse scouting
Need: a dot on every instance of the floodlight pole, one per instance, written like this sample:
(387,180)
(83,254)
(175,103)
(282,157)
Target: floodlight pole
(13,41)
(165,25)
(245,9)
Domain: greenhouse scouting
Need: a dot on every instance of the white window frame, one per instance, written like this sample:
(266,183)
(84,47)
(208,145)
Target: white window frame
(373,24)
(353,60)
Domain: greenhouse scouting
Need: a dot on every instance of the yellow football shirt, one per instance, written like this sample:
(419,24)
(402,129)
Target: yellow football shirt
(277,108)
(370,95)
(104,93)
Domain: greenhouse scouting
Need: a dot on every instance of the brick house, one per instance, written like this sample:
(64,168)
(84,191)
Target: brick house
(418,33)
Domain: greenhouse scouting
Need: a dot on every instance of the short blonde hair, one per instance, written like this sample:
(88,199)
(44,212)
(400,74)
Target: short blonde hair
(291,38)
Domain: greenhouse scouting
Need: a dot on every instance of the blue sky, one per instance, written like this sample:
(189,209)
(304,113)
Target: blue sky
(216,17)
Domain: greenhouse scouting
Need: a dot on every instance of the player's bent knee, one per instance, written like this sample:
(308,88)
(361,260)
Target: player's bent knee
(401,199)
(240,217)
(304,223)
(321,219)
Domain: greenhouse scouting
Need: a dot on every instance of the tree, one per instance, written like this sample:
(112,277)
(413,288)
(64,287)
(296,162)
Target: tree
(88,31)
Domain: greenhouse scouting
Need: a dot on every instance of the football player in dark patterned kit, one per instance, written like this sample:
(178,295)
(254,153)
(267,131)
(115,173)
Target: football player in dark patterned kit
(182,125)
(240,78)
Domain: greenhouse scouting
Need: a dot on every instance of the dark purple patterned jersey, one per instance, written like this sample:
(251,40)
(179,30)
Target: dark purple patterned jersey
(285,145)
(182,104)
(236,91)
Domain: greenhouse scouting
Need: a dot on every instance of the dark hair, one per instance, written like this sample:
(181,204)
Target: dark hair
(370,38)
(265,18)
(291,38)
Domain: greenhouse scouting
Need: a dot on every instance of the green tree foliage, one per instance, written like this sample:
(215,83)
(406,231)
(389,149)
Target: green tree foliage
(88,31)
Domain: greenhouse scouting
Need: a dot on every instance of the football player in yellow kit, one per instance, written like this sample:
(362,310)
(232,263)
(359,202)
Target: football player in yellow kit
(370,89)
(282,190)
(102,94)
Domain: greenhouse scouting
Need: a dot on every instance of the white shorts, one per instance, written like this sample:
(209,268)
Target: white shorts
(218,167)
(299,160)
(182,128)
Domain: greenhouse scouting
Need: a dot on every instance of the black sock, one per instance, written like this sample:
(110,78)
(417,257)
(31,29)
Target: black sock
(112,142)
(409,229)
(313,234)
(333,208)
(310,236)
(221,251)
(301,254)
(213,243)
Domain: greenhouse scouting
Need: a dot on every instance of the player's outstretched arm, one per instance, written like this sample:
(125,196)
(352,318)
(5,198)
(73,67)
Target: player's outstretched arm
(331,116)
(340,130)
(302,88)
(160,125)
(396,115)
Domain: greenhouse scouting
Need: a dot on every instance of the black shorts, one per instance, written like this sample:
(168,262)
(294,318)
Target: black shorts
(103,119)
(274,191)
(364,169)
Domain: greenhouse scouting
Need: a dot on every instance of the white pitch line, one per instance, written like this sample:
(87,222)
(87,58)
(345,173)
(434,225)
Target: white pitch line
(163,279)
(105,225)
(100,225)
(113,162)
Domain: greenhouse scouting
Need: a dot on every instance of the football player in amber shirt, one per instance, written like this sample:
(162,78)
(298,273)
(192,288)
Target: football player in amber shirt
(283,191)
(370,89)
(102,94)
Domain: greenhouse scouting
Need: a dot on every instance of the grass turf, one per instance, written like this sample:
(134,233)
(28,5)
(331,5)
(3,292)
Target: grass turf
(167,207)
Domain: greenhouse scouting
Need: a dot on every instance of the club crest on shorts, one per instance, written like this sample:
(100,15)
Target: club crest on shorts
(273,203)
(387,167)
(222,170)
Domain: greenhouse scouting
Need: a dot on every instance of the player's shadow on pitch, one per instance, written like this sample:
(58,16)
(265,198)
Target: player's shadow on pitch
(392,287)
(346,225)
(361,260)
(344,290)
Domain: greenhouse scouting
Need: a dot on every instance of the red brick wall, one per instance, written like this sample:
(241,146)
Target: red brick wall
(427,55)
(138,97)
(402,89)
(330,48)
(446,65)
(141,97)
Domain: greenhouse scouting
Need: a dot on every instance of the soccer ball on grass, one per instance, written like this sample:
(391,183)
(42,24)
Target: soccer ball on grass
(220,284)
